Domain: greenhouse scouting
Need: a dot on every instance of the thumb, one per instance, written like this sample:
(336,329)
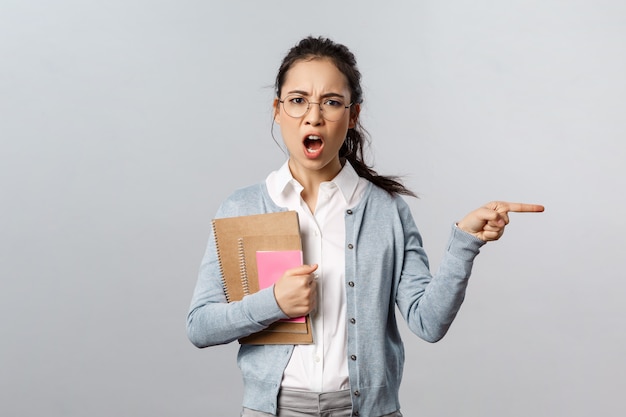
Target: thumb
(303,269)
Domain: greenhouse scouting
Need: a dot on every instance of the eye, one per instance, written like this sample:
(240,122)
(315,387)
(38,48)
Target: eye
(333,103)
(297,100)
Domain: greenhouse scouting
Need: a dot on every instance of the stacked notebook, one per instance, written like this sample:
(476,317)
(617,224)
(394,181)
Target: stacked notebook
(254,251)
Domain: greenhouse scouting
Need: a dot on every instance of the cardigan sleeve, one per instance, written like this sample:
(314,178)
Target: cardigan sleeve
(211,319)
(429,303)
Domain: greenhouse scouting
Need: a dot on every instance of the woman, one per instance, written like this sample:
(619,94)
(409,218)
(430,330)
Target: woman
(362,251)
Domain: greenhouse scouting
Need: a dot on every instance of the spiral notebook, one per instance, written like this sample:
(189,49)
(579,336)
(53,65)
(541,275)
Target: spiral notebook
(238,240)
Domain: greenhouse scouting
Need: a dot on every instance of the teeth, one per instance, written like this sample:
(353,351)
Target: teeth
(311,139)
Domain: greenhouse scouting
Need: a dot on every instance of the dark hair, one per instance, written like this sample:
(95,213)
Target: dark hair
(356,138)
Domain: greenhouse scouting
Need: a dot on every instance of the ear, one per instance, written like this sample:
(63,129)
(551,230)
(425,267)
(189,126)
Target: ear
(276,106)
(354,115)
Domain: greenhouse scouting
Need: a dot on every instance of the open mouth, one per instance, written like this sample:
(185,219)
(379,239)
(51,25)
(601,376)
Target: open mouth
(313,143)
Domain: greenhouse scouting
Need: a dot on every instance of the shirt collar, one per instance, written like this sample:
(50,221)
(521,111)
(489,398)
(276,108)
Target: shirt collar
(346,180)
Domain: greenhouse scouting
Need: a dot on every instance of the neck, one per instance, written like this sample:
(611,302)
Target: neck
(311,180)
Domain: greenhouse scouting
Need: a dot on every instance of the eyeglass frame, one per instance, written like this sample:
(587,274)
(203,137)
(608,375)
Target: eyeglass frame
(308,107)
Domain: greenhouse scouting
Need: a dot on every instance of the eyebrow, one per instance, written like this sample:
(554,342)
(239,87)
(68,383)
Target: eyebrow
(304,93)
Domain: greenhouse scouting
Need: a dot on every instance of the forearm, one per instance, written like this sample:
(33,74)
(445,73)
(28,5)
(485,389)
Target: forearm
(431,303)
(211,322)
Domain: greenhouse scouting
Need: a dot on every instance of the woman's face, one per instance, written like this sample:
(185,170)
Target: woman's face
(312,141)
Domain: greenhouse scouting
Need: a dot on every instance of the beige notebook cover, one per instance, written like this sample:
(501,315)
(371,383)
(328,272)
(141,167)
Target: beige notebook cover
(237,240)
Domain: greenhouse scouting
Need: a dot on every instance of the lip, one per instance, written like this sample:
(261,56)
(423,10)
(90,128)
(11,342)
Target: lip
(314,151)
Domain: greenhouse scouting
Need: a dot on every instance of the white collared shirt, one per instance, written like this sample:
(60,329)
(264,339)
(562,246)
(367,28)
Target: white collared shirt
(322,366)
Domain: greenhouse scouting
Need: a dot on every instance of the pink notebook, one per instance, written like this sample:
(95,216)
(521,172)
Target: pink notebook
(271,265)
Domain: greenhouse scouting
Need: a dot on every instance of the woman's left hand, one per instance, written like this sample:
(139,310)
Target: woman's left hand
(487,223)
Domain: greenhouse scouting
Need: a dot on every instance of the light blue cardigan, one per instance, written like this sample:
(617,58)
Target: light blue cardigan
(386,267)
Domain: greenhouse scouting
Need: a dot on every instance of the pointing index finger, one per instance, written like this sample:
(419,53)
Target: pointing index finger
(518,207)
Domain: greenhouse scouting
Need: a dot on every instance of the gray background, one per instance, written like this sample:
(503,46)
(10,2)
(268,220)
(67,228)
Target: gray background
(125,123)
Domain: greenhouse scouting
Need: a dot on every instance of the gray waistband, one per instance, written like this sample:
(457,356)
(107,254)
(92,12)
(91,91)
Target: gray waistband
(317,401)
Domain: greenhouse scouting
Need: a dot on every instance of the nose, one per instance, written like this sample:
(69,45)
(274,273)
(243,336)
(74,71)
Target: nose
(314,115)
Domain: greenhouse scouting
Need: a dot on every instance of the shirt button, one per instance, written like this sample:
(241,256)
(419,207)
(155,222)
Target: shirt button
(351,283)
(317,359)
(350,246)
(357,393)
(353,320)
(356,413)
(353,357)
(349,211)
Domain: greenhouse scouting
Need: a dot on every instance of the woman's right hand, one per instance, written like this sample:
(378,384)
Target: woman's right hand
(296,291)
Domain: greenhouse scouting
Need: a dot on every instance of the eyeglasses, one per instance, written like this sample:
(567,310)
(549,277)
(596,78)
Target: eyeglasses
(332,109)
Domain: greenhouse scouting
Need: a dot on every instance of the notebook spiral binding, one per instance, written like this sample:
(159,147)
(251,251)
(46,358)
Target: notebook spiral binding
(242,268)
(219,259)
